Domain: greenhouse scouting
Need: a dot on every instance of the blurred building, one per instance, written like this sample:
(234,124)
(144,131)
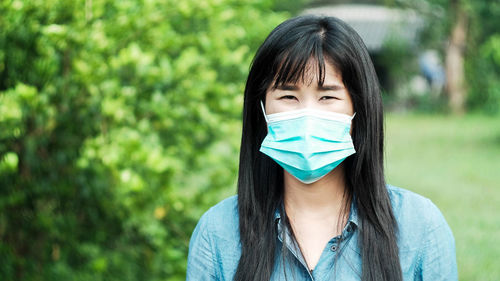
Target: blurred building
(380,26)
(375,24)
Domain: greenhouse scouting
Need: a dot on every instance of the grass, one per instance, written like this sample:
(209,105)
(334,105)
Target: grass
(454,161)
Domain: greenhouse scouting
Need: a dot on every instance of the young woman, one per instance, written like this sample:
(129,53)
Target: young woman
(312,201)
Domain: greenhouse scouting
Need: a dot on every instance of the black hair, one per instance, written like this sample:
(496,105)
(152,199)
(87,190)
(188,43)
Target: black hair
(284,58)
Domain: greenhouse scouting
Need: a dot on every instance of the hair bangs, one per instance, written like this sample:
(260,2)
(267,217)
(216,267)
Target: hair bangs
(302,62)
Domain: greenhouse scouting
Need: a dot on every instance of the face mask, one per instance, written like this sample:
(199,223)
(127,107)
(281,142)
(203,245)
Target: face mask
(308,143)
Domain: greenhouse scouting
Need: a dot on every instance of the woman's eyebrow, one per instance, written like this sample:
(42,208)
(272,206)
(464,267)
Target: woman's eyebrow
(287,87)
(333,87)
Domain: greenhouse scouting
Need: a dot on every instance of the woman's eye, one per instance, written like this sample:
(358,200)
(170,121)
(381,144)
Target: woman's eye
(288,97)
(327,97)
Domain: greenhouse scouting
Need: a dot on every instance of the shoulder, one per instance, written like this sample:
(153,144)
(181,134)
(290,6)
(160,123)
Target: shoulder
(405,200)
(223,213)
(214,244)
(220,222)
(221,219)
(414,209)
(426,242)
(418,218)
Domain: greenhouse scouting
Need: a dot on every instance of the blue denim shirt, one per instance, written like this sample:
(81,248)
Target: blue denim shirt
(426,245)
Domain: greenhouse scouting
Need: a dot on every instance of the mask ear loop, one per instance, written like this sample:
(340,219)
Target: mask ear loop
(264,111)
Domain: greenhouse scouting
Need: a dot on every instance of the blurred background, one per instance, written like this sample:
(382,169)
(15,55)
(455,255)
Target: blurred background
(120,123)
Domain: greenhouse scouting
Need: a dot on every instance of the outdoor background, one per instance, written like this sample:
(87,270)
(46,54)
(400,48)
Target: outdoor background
(120,124)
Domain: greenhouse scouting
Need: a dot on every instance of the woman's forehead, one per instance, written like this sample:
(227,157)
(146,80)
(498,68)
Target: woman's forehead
(312,72)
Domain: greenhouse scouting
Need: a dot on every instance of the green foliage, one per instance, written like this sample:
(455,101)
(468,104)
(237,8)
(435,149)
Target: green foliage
(484,72)
(119,126)
(482,67)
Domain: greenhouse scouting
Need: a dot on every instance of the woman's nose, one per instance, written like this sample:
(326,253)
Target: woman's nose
(309,101)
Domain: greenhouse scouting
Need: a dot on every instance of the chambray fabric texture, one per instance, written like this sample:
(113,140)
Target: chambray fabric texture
(426,245)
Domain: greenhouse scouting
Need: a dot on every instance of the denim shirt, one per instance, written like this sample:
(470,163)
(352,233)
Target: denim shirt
(425,241)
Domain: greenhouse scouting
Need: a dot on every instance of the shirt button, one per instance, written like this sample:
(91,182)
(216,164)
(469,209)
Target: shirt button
(334,247)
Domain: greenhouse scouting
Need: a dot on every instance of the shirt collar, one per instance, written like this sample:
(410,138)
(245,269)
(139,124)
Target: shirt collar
(353,214)
(291,244)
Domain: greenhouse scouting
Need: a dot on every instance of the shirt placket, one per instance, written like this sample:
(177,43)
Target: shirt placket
(293,248)
(332,245)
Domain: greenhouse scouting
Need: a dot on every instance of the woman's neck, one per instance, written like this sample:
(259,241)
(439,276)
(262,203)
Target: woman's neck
(315,212)
(323,198)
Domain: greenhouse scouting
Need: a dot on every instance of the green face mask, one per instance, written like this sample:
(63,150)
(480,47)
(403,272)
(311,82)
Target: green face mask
(308,143)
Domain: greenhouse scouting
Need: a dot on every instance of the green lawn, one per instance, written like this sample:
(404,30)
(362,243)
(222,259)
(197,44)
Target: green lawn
(454,161)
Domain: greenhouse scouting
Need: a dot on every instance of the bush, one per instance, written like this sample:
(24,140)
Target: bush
(119,126)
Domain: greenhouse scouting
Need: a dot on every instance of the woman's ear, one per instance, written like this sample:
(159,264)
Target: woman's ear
(352,124)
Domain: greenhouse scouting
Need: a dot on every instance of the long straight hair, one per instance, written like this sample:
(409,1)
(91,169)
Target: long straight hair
(284,58)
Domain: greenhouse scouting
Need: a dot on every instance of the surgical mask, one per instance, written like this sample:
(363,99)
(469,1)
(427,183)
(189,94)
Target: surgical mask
(308,143)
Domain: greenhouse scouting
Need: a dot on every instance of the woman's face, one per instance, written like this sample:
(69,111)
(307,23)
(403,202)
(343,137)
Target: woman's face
(331,96)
